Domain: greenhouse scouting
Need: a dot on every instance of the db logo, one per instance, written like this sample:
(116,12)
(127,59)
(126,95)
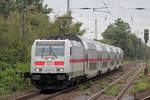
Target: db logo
(49,63)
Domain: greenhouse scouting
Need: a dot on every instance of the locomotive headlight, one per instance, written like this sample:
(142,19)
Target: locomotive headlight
(38,69)
(60,70)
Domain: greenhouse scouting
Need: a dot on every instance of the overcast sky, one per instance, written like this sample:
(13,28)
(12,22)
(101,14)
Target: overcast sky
(138,19)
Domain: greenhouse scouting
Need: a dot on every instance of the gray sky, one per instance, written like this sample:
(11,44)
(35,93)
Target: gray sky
(138,19)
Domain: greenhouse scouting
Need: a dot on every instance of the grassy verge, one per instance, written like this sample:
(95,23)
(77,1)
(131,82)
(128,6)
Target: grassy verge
(86,86)
(114,90)
(101,85)
(141,83)
(129,61)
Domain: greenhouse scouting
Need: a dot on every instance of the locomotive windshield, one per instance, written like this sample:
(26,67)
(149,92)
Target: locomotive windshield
(49,49)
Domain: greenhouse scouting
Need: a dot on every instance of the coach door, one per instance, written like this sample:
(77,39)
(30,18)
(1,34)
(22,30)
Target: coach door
(92,60)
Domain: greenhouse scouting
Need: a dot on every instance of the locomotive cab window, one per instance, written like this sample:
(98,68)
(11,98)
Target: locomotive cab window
(49,49)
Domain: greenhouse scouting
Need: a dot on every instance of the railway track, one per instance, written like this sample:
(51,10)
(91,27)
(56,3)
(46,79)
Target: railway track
(146,98)
(43,96)
(37,95)
(28,95)
(40,96)
(119,96)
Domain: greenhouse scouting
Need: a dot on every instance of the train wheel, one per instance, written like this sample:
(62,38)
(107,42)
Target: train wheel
(99,73)
(108,70)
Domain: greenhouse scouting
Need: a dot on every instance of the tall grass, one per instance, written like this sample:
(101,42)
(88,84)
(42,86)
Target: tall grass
(142,83)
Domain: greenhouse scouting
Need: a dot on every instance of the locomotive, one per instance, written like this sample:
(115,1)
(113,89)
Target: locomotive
(61,60)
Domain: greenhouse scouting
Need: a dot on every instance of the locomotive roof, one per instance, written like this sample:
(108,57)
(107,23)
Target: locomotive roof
(63,36)
(100,46)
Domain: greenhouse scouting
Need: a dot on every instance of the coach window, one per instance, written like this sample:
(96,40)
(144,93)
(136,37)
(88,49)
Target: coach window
(112,63)
(117,62)
(120,56)
(108,56)
(105,64)
(100,56)
(70,51)
(115,56)
(121,61)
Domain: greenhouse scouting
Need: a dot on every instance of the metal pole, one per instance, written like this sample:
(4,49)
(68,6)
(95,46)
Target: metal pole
(26,15)
(23,22)
(146,38)
(146,65)
(95,28)
(68,5)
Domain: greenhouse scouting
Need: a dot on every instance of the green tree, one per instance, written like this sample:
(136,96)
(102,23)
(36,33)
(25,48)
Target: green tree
(15,55)
(6,6)
(119,33)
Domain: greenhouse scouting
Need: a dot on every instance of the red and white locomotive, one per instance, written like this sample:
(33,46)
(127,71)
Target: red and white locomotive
(67,59)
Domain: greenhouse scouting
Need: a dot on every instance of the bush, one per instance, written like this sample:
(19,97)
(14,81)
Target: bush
(11,82)
(87,93)
(22,67)
(4,66)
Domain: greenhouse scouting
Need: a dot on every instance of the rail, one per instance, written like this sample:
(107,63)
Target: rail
(97,95)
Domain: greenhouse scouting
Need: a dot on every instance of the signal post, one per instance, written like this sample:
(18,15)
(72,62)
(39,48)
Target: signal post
(146,38)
